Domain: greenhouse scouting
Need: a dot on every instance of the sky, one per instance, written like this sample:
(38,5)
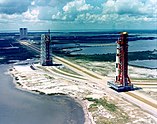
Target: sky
(78,14)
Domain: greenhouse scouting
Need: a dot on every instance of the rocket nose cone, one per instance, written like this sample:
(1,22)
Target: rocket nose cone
(124,32)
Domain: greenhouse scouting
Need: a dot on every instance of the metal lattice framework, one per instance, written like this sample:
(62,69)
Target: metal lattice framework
(45,49)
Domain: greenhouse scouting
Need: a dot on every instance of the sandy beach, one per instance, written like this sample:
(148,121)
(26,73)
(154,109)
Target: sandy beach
(47,80)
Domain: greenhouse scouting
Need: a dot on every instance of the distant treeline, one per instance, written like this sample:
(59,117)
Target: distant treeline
(95,39)
(81,37)
(100,38)
(141,55)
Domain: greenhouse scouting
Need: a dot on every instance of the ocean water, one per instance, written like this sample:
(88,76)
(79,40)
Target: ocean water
(21,107)
(134,46)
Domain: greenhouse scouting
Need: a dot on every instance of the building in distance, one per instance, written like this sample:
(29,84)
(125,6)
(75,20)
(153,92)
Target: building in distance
(23,33)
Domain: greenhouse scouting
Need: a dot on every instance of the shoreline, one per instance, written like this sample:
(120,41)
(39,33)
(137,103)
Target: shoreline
(81,102)
(35,81)
(143,67)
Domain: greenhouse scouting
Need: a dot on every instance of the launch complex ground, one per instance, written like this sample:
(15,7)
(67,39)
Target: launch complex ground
(87,83)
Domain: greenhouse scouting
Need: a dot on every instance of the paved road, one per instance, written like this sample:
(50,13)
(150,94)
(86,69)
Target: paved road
(101,82)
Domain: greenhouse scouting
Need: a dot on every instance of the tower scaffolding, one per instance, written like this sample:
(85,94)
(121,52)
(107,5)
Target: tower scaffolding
(122,81)
(46,59)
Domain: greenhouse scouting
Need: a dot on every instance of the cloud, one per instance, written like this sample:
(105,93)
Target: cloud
(91,18)
(110,10)
(81,10)
(103,12)
(31,15)
(131,8)
(14,6)
(52,3)
(123,7)
(77,5)
(28,16)
(4,18)
(48,8)
(72,10)
(48,14)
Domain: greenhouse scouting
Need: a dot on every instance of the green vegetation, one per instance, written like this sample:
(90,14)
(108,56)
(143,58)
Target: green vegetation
(58,72)
(144,79)
(66,74)
(139,55)
(120,119)
(43,68)
(118,116)
(47,76)
(93,108)
(52,94)
(102,68)
(92,75)
(41,93)
(103,120)
(19,83)
(102,101)
(67,70)
(95,57)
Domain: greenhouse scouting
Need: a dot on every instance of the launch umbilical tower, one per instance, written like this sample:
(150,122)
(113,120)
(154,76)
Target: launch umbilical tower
(46,58)
(122,81)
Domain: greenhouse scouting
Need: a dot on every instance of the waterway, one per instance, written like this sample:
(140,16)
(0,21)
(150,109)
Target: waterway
(21,107)
(145,63)
(134,46)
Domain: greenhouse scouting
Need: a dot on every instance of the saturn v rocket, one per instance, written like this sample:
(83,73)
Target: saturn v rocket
(122,60)
(122,80)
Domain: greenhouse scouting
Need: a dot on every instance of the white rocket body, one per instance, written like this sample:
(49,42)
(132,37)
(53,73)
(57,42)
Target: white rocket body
(117,61)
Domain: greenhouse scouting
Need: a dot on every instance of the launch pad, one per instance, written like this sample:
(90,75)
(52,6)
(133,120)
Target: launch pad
(119,87)
(122,81)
